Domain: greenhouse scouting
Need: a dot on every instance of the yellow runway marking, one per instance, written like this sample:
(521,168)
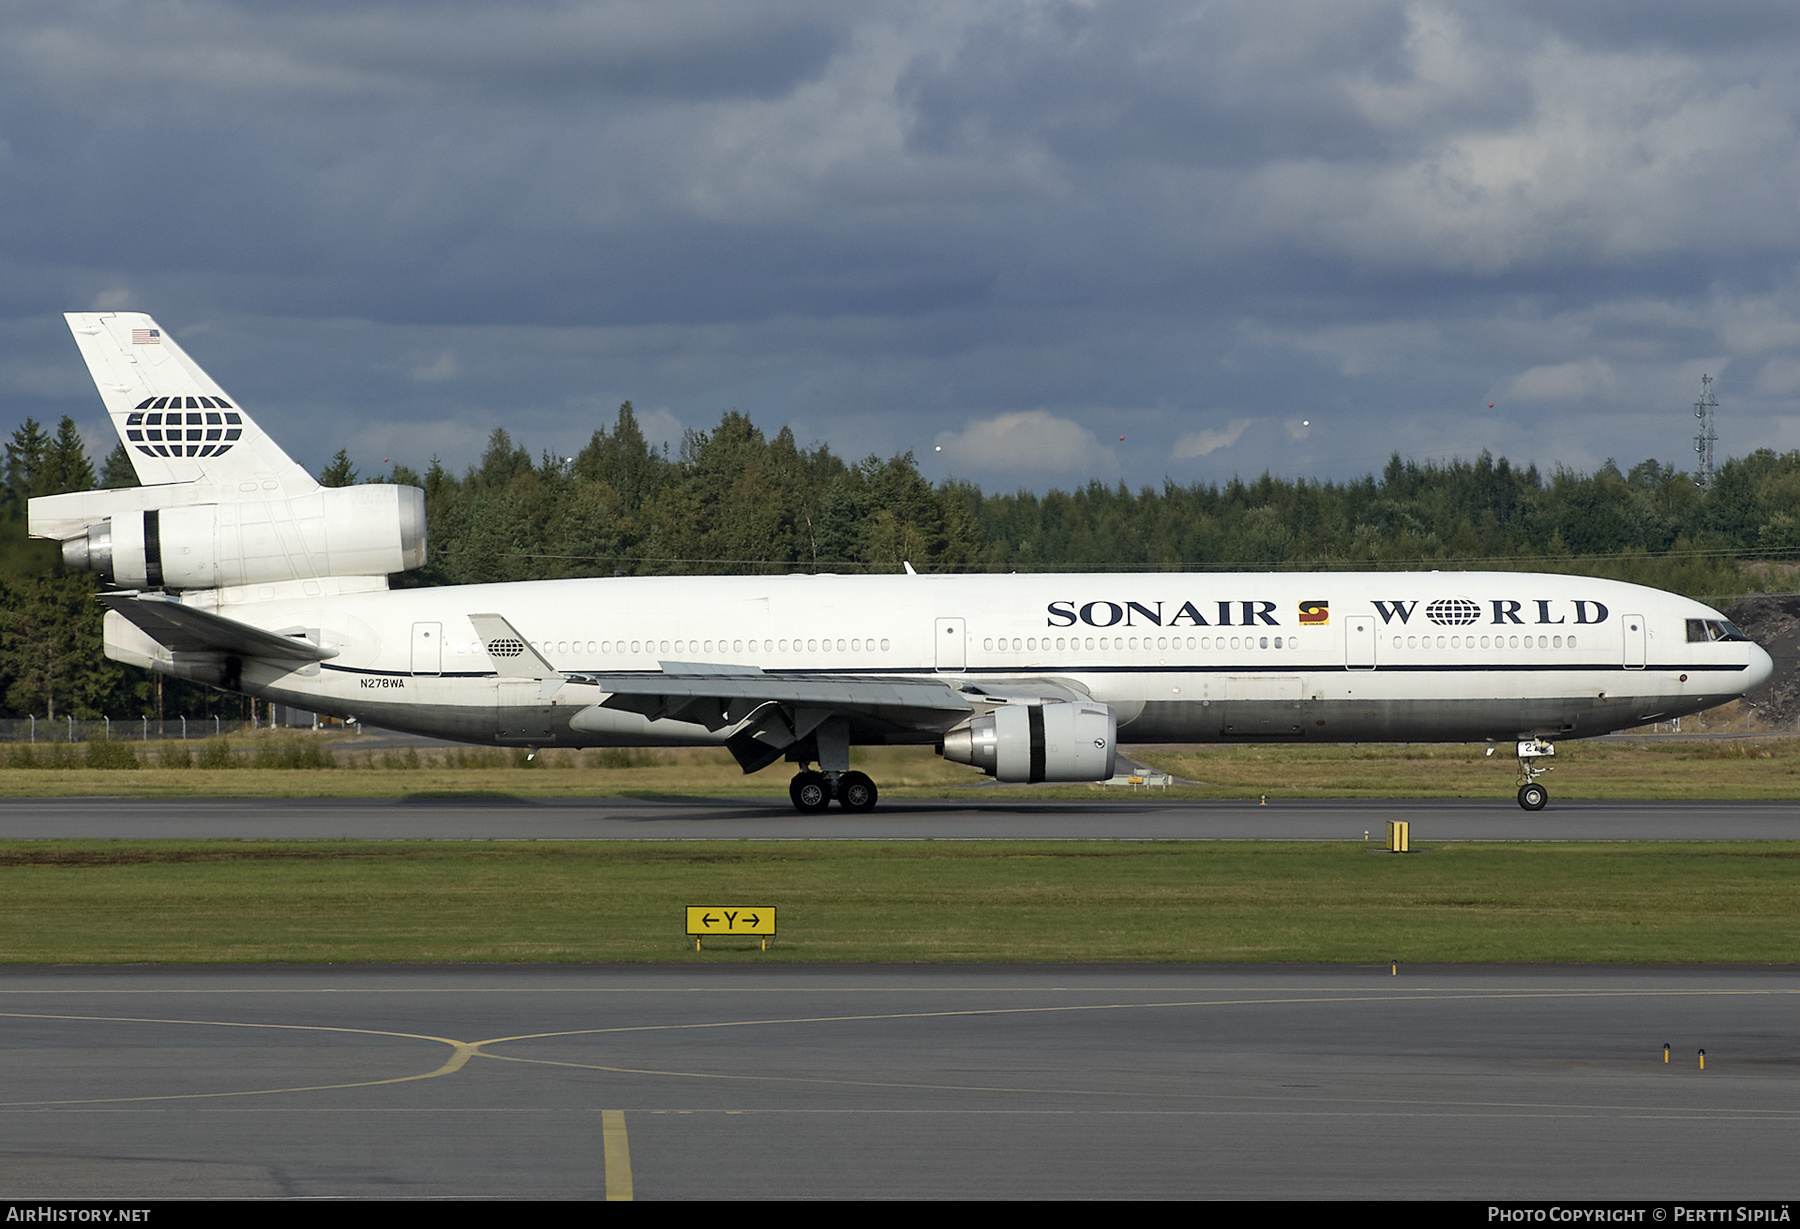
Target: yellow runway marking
(460,1053)
(618,1155)
(463,1051)
(1404,996)
(1535,1107)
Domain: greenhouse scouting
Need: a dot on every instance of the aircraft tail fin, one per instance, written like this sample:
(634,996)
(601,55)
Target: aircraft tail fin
(178,425)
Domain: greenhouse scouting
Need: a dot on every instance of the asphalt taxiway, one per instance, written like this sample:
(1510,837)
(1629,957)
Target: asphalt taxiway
(918,1082)
(998,815)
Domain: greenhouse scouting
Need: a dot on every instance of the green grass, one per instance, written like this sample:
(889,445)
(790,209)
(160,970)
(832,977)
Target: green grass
(107,902)
(1648,768)
(288,766)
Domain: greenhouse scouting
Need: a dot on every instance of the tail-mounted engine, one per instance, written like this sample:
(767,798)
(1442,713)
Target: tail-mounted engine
(368,530)
(1054,741)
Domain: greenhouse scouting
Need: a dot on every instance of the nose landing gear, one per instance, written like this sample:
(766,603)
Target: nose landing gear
(813,791)
(1533,796)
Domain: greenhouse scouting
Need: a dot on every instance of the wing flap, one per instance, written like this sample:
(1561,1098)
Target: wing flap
(778,714)
(641,692)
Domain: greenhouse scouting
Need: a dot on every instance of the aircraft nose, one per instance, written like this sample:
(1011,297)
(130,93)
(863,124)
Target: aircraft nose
(1762,667)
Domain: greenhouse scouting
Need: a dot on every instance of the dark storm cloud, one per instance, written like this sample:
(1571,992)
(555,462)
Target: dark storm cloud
(1224,86)
(187,54)
(1294,235)
(1728,26)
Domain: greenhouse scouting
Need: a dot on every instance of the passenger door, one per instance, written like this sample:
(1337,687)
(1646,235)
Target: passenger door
(1359,642)
(1636,649)
(427,648)
(952,645)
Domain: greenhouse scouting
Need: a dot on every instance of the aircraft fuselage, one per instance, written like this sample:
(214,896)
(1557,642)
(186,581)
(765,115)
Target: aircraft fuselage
(1181,657)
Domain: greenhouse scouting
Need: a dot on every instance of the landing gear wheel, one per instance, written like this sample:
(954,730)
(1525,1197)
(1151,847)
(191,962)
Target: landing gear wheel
(811,792)
(856,792)
(1533,797)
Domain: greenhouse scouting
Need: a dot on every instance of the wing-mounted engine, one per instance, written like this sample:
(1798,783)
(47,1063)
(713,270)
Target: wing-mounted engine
(1057,740)
(160,538)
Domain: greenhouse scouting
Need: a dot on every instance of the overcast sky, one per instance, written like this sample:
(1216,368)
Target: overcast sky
(1291,236)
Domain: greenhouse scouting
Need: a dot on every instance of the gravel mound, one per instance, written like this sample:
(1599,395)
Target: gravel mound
(1773,621)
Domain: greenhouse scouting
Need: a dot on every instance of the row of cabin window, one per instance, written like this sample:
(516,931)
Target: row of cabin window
(692,646)
(1035,644)
(193,403)
(1499,642)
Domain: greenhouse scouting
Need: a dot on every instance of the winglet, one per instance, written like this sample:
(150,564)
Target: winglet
(512,654)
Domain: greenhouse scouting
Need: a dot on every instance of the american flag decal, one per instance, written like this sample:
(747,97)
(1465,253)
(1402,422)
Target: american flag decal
(146,337)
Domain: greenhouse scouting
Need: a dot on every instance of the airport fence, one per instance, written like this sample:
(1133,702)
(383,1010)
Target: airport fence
(32,730)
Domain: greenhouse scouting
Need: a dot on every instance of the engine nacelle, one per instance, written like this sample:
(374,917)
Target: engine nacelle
(368,530)
(1055,741)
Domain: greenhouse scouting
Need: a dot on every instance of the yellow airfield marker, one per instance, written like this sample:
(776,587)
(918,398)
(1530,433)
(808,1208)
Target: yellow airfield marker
(757,921)
(618,1155)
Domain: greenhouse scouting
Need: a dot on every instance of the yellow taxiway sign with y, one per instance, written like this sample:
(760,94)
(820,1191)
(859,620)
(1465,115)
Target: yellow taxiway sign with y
(753,920)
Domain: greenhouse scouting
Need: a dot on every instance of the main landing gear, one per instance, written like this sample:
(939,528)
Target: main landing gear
(812,791)
(1533,796)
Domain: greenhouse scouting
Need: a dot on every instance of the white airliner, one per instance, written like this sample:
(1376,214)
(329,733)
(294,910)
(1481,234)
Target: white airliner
(234,568)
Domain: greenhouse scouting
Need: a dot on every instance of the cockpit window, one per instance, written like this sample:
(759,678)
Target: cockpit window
(1699,631)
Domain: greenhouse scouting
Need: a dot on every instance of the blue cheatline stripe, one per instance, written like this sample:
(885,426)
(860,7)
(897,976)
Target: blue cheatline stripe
(927,672)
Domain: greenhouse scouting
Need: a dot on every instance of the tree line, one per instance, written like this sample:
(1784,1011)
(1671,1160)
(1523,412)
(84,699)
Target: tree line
(734,500)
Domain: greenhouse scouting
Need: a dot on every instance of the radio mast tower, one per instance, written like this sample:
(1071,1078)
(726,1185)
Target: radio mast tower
(1707,437)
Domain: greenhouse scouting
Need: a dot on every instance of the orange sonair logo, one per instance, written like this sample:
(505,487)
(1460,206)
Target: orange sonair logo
(1315,614)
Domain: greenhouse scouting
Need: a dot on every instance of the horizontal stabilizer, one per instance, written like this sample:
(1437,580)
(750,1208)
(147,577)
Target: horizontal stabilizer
(188,629)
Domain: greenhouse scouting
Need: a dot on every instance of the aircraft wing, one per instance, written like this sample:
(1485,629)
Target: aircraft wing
(188,629)
(677,693)
(775,713)
(814,715)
